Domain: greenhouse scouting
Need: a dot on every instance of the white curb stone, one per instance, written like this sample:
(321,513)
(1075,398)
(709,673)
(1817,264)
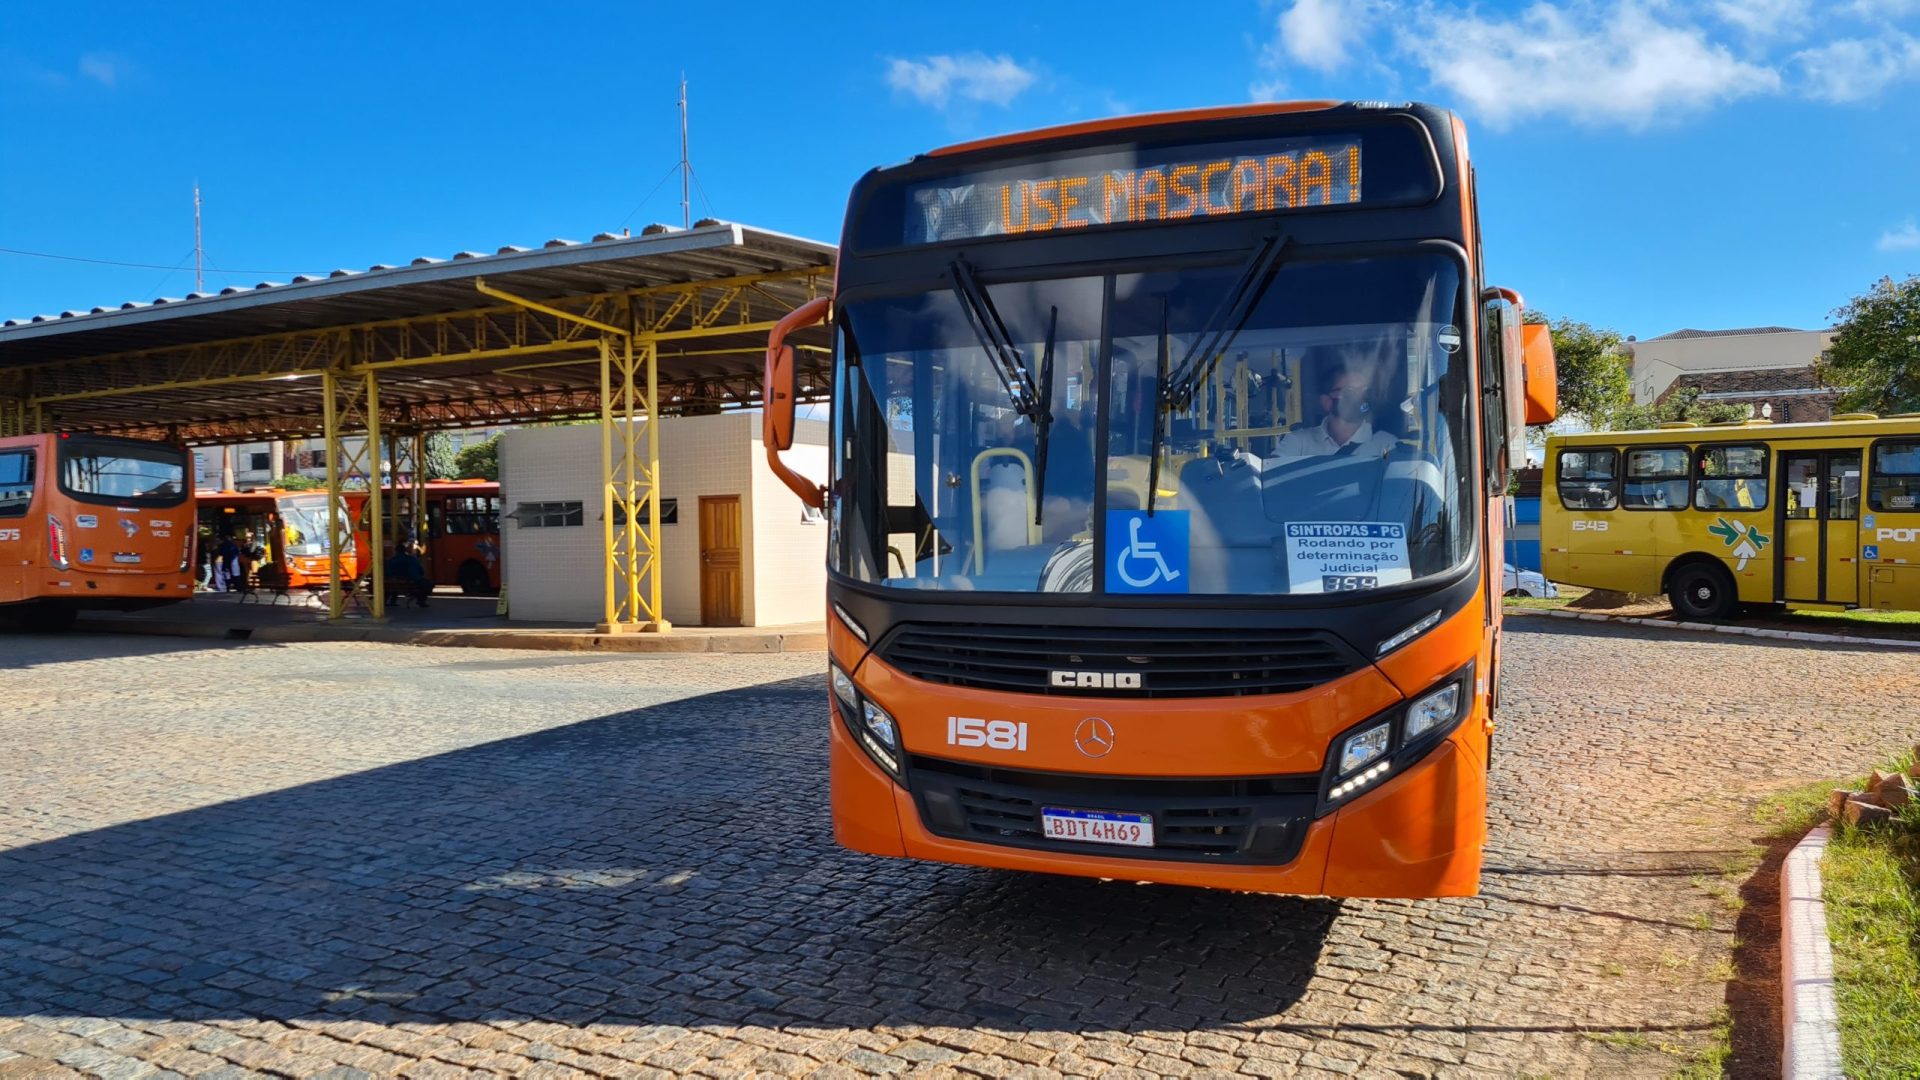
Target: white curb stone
(1812,1023)
(1722,628)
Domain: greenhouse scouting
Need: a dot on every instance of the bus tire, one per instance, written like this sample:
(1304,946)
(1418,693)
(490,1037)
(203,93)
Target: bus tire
(473,579)
(1702,591)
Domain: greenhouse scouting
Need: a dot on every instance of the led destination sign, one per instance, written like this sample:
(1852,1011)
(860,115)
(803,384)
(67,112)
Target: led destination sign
(1124,187)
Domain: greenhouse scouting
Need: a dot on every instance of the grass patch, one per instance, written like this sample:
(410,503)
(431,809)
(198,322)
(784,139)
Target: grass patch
(1710,1061)
(1871,880)
(1865,616)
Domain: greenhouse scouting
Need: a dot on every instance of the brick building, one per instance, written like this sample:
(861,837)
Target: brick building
(1769,368)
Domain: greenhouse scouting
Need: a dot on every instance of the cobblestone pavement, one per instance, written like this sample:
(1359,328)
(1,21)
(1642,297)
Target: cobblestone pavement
(339,860)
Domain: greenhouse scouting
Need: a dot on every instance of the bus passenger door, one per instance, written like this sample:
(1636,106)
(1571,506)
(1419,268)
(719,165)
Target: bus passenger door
(1842,523)
(1800,528)
(1820,534)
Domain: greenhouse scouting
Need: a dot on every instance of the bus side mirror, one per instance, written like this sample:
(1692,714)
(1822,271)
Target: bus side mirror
(1542,382)
(779,395)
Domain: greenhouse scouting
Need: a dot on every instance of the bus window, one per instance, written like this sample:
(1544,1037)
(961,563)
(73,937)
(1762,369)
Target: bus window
(1586,479)
(16,482)
(1731,478)
(1803,487)
(1656,479)
(1843,486)
(103,472)
(1896,476)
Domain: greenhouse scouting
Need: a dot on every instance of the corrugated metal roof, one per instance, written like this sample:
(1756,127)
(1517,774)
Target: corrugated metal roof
(1680,335)
(719,369)
(425,286)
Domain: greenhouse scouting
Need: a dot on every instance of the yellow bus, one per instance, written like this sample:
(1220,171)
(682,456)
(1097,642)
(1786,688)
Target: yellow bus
(1725,515)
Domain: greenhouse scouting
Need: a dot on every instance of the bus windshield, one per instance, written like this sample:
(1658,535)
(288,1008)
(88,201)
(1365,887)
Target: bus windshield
(305,521)
(1310,441)
(99,471)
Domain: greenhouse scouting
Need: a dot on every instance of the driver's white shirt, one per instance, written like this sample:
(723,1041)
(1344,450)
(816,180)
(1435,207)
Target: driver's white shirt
(1317,442)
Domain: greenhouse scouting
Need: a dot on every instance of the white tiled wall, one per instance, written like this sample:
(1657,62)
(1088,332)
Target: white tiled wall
(557,574)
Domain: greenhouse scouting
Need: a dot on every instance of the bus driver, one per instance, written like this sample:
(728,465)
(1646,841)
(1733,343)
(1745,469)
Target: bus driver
(1345,397)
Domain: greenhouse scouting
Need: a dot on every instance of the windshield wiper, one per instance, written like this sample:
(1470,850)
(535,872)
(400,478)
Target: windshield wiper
(1224,325)
(1001,351)
(1043,424)
(1159,412)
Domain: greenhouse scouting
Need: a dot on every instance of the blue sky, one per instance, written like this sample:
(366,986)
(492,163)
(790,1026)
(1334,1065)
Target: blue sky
(1644,166)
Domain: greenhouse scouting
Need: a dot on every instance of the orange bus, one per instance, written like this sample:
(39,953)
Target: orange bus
(463,531)
(290,527)
(1169,457)
(89,522)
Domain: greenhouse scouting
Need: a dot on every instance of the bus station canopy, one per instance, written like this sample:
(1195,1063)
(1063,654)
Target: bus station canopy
(622,329)
(471,340)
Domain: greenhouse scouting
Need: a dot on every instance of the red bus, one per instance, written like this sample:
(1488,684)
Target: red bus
(463,531)
(1165,512)
(89,522)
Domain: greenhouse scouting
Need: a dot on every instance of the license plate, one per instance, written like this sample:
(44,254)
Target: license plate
(126,558)
(1097,826)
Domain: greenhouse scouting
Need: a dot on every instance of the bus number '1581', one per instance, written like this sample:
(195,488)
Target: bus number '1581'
(994,734)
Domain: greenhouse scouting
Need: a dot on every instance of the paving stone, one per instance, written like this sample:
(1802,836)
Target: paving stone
(540,863)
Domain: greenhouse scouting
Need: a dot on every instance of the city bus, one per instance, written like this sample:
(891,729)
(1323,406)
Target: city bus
(89,522)
(1166,500)
(289,527)
(463,531)
(1726,516)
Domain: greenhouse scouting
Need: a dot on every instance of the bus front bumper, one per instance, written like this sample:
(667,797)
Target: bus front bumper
(1419,834)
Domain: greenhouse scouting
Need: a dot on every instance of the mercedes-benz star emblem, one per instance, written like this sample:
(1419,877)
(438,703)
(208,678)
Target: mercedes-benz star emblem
(1094,737)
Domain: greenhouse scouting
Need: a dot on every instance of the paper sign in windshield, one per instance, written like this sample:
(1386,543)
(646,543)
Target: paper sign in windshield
(1343,556)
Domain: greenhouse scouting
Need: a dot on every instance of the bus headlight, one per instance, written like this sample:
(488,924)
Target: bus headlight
(1364,747)
(872,725)
(1432,710)
(1369,753)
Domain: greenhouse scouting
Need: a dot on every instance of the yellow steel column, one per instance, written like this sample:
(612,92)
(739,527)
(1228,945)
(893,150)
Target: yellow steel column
(418,451)
(376,603)
(12,417)
(612,622)
(651,357)
(629,485)
(339,521)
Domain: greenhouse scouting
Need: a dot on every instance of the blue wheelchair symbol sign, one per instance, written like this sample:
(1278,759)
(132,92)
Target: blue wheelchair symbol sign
(1871,552)
(1147,554)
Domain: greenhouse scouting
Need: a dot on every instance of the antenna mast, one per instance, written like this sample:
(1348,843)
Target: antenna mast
(199,253)
(686,166)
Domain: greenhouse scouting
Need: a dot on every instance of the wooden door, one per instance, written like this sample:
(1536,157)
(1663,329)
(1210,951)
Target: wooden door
(721,600)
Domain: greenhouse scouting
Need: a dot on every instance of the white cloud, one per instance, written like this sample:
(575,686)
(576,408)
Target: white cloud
(100,68)
(1765,18)
(1320,33)
(1267,89)
(1855,69)
(1905,238)
(937,80)
(1619,66)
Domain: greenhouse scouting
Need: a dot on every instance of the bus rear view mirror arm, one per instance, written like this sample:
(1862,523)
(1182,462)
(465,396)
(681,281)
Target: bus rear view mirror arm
(779,397)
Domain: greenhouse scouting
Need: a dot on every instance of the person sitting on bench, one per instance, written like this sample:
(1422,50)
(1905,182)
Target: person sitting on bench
(406,575)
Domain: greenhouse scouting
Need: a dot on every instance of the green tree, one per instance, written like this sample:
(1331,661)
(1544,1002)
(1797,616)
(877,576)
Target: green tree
(481,461)
(442,463)
(1683,404)
(1594,373)
(1876,354)
(299,482)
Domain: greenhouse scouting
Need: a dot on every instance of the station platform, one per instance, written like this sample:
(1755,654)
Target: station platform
(449,619)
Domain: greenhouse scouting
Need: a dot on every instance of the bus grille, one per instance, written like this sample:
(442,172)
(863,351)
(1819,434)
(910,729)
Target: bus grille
(1171,662)
(1259,821)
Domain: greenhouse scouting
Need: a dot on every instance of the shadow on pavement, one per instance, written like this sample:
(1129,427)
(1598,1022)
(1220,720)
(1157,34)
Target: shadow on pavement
(670,865)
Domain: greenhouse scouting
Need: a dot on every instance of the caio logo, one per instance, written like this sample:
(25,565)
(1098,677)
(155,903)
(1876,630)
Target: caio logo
(1095,680)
